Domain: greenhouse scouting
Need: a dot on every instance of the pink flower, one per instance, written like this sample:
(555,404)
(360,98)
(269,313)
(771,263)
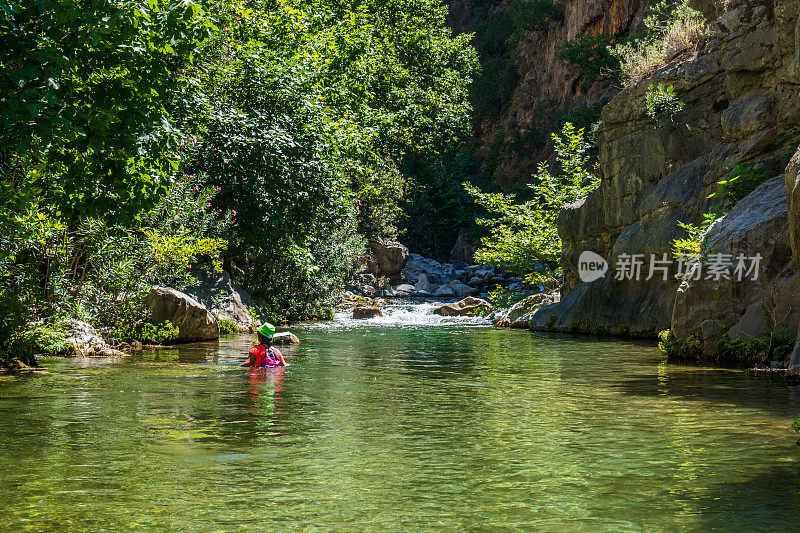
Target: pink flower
(217,188)
(233,212)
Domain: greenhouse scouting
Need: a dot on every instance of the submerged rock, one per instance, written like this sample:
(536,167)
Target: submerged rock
(363,311)
(284,338)
(193,320)
(469,306)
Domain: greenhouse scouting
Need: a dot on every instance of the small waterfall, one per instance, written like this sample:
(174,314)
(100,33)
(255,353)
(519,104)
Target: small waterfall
(404,313)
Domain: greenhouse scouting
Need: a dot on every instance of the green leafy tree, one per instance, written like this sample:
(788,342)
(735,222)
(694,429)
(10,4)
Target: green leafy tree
(524,236)
(87,89)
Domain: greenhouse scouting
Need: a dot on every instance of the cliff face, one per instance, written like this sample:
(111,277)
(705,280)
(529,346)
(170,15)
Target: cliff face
(514,137)
(741,92)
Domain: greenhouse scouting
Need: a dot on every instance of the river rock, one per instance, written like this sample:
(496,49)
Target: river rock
(193,320)
(423,285)
(435,271)
(224,297)
(746,308)
(459,289)
(520,314)
(364,311)
(387,258)
(469,306)
(83,340)
(445,290)
(285,338)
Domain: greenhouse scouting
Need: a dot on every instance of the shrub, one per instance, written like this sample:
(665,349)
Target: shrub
(590,56)
(524,236)
(662,104)
(679,349)
(671,26)
(777,346)
(145,332)
(228,326)
(740,180)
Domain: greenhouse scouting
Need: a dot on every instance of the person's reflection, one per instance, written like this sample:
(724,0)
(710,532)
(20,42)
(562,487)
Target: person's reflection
(266,392)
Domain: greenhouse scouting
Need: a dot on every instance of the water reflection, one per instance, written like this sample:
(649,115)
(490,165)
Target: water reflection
(379,427)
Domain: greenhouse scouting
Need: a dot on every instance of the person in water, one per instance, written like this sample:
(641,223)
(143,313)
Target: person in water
(264,355)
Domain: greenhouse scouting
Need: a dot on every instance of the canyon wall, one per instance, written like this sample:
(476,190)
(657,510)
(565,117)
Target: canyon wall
(741,94)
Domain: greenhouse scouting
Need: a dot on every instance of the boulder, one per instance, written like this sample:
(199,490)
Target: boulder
(463,250)
(792,178)
(460,289)
(387,258)
(193,320)
(753,306)
(285,338)
(423,285)
(404,289)
(83,340)
(365,311)
(435,271)
(224,297)
(469,306)
(520,314)
(445,290)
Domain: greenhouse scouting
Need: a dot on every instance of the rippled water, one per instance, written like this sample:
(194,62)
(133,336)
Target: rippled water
(399,424)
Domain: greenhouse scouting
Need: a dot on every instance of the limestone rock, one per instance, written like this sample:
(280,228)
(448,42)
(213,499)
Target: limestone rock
(224,297)
(792,178)
(464,248)
(747,116)
(387,258)
(285,338)
(83,340)
(364,311)
(445,290)
(753,306)
(460,289)
(435,271)
(469,306)
(193,320)
(423,285)
(519,315)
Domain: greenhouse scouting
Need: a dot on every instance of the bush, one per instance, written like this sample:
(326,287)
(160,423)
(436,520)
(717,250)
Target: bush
(228,326)
(679,349)
(590,56)
(145,332)
(524,236)
(775,347)
(662,104)
(740,180)
(671,26)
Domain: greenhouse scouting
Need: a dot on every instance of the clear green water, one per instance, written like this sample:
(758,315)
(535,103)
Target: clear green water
(379,427)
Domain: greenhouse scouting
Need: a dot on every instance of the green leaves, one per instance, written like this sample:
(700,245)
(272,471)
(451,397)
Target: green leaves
(524,236)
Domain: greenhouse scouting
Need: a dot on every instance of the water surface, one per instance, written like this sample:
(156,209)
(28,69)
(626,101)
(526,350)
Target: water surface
(401,423)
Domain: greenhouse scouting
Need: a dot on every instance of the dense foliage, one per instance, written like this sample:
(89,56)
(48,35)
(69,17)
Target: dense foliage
(137,138)
(315,120)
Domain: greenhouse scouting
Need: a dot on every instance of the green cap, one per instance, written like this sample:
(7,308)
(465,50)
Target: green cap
(267,329)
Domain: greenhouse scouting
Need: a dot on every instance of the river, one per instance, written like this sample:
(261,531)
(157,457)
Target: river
(401,423)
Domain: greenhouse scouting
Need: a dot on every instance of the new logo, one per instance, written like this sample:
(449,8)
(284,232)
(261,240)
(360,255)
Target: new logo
(591,266)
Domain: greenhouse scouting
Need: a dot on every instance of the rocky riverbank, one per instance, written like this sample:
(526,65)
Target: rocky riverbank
(740,91)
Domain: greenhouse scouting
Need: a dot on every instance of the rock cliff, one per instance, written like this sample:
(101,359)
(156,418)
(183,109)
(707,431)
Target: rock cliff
(535,89)
(741,96)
